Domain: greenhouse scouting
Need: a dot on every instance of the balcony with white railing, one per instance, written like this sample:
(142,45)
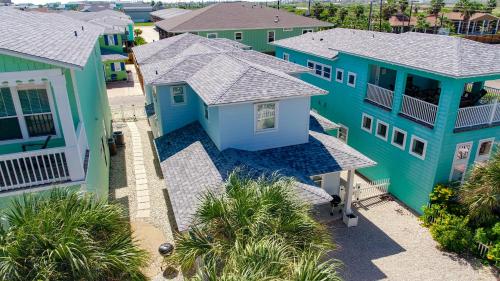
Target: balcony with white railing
(379,96)
(478,110)
(419,110)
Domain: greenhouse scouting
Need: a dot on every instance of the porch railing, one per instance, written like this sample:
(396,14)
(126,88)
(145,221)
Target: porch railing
(485,114)
(419,110)
(33,168)
(367,190)
(379,95)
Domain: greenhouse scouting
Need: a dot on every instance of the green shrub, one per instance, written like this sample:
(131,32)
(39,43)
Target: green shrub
(442,194)
(431,213)
(452,232)
(493,254)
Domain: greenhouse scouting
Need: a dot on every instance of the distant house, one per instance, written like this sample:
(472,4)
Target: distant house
(54,114)
(214,107)
(164,14)
(251,24)
(415,103)
(138,11)
(116,37)
(5,2)
(401,23)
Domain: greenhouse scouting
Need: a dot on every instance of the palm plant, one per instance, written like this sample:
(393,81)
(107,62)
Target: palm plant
(435,9)
(256,230)
(67,236)
(481,192)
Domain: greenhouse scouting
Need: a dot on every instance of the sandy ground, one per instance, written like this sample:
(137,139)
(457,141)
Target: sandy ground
(149,33)
(126,92)
(390,244)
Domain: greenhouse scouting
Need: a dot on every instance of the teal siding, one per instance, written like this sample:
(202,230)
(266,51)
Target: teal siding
(412,179)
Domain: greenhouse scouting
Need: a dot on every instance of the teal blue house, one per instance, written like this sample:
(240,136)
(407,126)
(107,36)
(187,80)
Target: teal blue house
(54,113)
(415,103)
(214,106)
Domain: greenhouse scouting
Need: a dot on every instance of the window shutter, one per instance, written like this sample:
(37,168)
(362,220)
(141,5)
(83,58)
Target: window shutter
(116,39)
(122,64)
(106,42)
(112,66)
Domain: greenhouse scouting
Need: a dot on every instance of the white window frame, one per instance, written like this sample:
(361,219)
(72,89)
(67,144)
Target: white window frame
(286,56)
(288,29)
(394,130)
(307,30)
(380,122)
(466,161)
(276,117)
(346,132)
(337,70)
(322,69)
(274,35)
(480,159)
(118,66)
(349,73)
(172,100)
(415,138)
(363,116)
(20,116)
(240,32)
(212,33)
(111,40)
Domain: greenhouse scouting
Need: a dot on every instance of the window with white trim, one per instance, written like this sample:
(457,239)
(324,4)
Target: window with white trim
(460,161)
(484,149)
(351,79)
(238,36)
(382,130)
(367,123)
(343,133)
(265,116)
(118,66)
(418,147)
(286,56)
(304,31)
(211,35)
(320,70)
(288,29)
(339,75)
(398,138)
(270,36)
(111,40)
(178,95)
(9,124)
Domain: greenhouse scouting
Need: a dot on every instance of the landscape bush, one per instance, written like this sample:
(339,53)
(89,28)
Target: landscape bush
(452,232)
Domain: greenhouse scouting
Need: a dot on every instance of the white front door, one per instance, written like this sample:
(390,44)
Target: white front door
(460,161)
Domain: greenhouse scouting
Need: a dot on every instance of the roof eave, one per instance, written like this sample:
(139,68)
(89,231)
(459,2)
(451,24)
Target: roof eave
(42,60)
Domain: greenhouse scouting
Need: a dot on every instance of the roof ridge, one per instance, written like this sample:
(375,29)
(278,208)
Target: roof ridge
(218,98)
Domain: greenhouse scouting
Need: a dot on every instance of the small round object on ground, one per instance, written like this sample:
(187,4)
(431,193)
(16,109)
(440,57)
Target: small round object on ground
(166,249)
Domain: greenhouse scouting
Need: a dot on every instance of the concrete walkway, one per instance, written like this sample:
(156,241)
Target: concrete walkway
(141,181)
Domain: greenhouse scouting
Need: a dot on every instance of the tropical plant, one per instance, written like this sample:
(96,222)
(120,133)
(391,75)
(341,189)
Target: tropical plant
(467,8)
(422,24)
(342,14)
(317,10)
(452,232)
(256,230)
(492,4)
(389,9)
(332,10)
(480,192)
(138,40)
(67,236)
(435,8)
(403,5)
(137,32)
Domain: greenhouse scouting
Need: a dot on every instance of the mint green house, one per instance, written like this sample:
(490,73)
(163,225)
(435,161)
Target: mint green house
(251,24)
(415,103)
(115,41)
(54,113)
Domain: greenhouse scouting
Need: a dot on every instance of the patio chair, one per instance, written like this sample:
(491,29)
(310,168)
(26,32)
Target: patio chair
(41,145)
(470,99)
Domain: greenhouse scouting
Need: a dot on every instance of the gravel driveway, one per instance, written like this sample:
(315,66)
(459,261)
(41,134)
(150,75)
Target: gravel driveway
(389,243)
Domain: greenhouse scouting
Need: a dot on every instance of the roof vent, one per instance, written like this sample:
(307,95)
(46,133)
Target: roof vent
(156,71)
(76,34)
(83,28)
(276,19)
(320,39)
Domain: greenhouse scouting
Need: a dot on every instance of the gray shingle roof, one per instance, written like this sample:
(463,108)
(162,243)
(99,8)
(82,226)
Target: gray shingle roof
(192,164)
(47,36)
(237,15)
(445,55)
(319,123)
(169,13)
(219,72)
(113,22)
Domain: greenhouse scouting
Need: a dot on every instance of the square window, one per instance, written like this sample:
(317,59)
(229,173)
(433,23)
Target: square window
(178,95)
(37,113)
(343,133)
(286,56)
(351,79)
(318,69)
(418,147)
(212,35)
(310,64)
(327,72)
(399,138)
(382,130)
(485,148)
(270,36)
(287,29)
(366,123)
(304,31)
(339,75)
(265,116)
(238,36)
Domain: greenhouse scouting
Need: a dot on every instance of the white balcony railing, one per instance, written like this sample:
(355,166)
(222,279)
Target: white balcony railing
(419,110)
(379,95)
(485,114)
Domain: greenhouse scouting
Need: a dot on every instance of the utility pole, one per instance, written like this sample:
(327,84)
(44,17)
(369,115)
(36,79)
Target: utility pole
(278,4)
(380,20)
(370,16)
(409,19)
(309,8)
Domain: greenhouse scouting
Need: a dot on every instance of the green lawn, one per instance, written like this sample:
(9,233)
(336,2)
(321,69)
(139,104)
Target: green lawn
(144,23)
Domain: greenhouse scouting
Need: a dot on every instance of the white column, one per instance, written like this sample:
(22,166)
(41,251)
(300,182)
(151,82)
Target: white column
(482,28)
(459,28)
(468,25)
(496,28)
(348,193)
(72,151)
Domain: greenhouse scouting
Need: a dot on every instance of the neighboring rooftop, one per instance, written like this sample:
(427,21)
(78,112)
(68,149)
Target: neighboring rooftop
(192,164)
(220,73)
(47,37)
(445,55)
(169,13)
(235,16)
(113,22)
